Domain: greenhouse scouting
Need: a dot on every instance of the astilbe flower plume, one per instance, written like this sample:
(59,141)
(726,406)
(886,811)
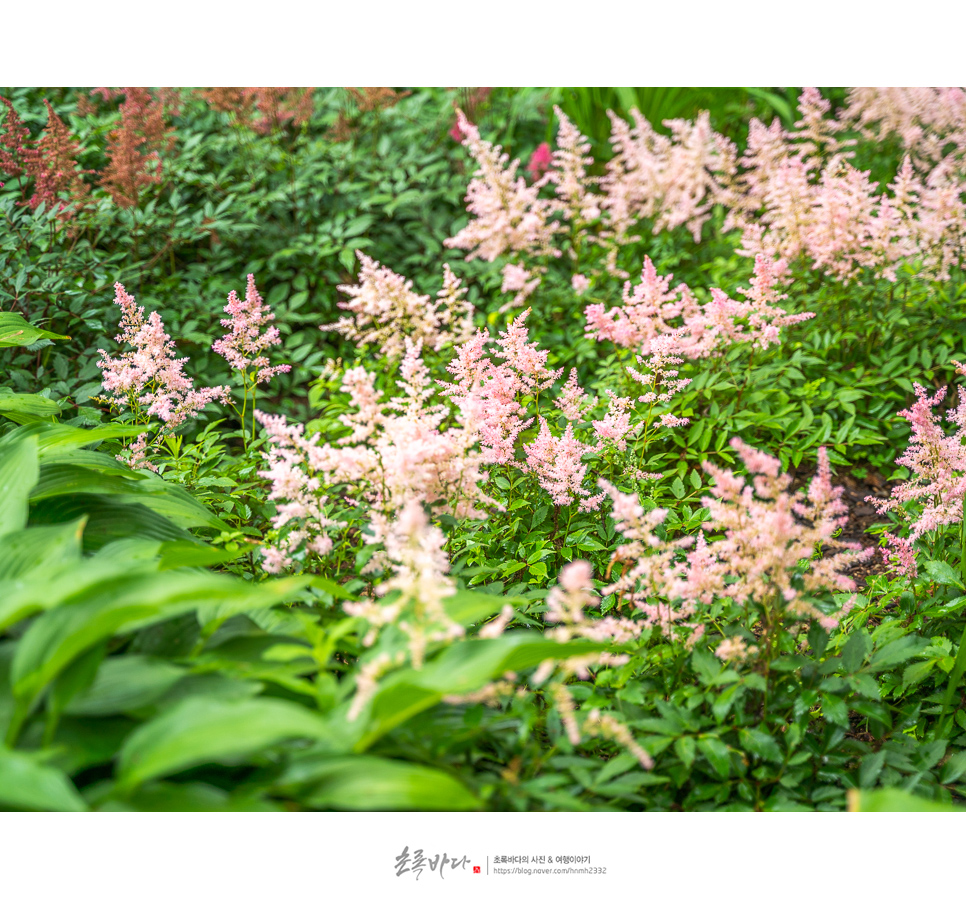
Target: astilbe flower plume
(490,386)
(569,174)
(565,609)
(937,462)
(384,311)
(652,312)
(264,109)
(51,162)
(247,338)
(135,147)
(399,450)
(509,216)
(148,379)
(415,555)
(673,181)
(767,534)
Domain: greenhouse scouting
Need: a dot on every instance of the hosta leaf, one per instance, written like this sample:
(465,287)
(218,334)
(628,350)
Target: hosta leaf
(123,604)
(26,784)
(126,683)
(48,547)
(19,469)
(366,783)
(26,407)
(199,731)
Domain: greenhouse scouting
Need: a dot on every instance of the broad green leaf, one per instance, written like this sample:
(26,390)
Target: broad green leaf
(199,731)
(126,603)
(16,331)
(893,800)
(19,469)
(124,684)
(26,784)
(26,407)
(39,547)
(365,783)
(461,668)
(109,518)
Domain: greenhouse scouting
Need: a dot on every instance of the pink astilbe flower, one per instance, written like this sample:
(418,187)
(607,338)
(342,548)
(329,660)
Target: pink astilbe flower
(926,119)
(673,181)
(580,283)
(518,278)
(509,215)
(653,315)
(490,387)
(385,311)
(573,401)
(767,534)
(398,451)
(557,464)
(938,464)
(614,429)
(297,492)
(242,347)
(149,380)
(734,649)
(419,566)
(569,176)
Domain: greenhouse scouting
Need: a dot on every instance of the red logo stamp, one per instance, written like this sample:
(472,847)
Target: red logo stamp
(476,870)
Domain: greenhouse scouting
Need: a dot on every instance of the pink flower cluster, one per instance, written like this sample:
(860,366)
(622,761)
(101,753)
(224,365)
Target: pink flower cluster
(398,451)
(938,484)
(414,553)
(490,387)
(926,119)
(149,379)
(652,315)
(766,534)
(385,311)
(799,197)
(674,181)
(242,347)
(509,216)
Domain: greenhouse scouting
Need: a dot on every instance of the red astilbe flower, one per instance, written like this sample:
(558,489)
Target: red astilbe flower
(13,141)
(51,161)
(539,162)
(264,109)
(52,164)
(135,146)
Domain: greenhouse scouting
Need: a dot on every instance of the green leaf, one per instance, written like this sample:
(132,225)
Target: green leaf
(717,754)
(19,469)
(26,784)
(15,330)
(365,783)
(26,407)
(117,606)
(893,800)
(124,684)
(200,730)
(942,573)
(859,645)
